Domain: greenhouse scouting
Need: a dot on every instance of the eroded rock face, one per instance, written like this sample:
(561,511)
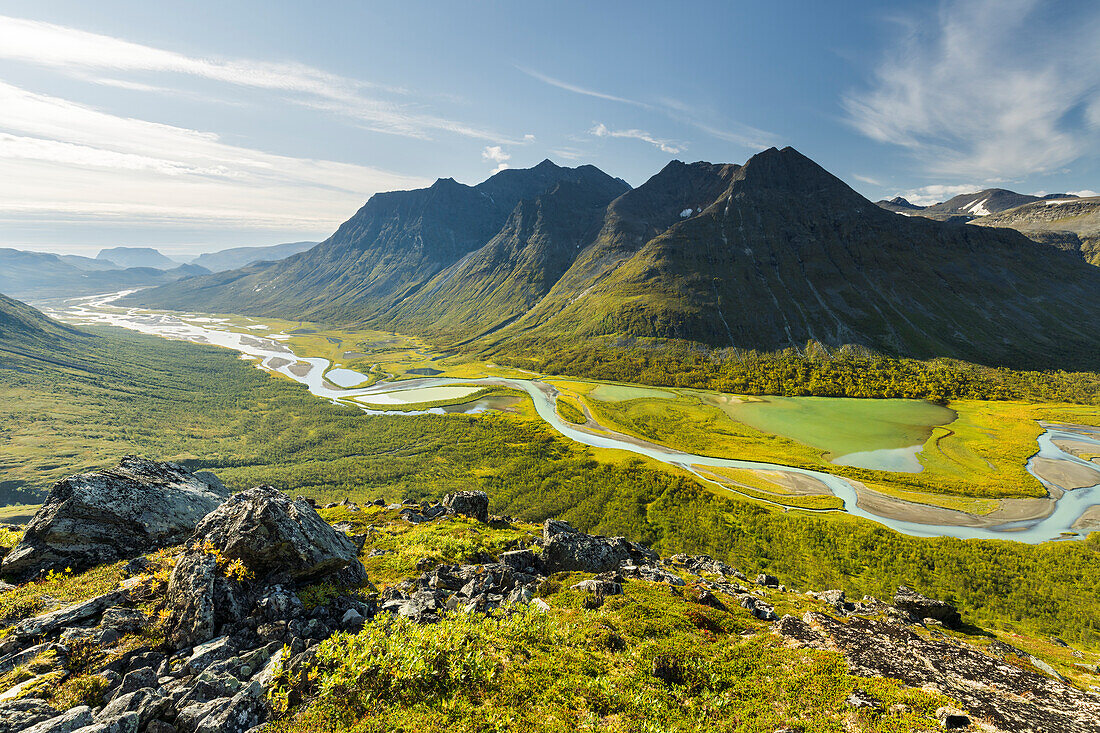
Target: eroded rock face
(922,607)
(566,549)
(469,504)
(270,532)
(95,518)
(279,542)
(1014,699)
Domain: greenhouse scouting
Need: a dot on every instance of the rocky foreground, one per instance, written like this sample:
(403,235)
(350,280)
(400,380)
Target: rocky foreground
(228,597)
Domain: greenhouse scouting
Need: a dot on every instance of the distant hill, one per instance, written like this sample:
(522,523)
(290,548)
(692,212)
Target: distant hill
(20,324)
(899,205)
(768,255)
(41,275)
(232,259)
(1067,222)
(137,257)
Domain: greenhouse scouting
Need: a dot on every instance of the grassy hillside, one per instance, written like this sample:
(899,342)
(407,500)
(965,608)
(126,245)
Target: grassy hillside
(127,393)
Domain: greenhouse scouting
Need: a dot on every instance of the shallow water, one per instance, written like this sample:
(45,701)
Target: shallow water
(271,354)
(901,460)
(345,377)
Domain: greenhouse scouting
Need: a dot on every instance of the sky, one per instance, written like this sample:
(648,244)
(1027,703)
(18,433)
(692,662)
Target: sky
(197,126)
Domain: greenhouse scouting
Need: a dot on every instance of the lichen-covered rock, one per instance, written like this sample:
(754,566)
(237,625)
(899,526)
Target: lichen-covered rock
(19,715)
(566,549)
(200,600)
(921,607)
(1011,698)
(469,504)
(271,533)
(95,518)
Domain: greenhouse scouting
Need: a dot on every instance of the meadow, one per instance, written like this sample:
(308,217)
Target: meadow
(120,392)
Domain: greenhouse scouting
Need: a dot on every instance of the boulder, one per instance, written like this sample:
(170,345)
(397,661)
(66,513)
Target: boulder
(19,715)
(94,518)
(271,533)
(565,549)
(922,607)
(469,504)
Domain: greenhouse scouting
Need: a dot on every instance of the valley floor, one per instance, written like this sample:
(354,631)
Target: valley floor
(969,464)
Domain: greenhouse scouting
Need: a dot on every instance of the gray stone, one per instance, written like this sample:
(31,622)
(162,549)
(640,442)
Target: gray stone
(566,549)
(19,715)
(769,581)
(469,503)
(922,607)
(67,722)
(268,532)
(199,600)
(48,623)
(94,518)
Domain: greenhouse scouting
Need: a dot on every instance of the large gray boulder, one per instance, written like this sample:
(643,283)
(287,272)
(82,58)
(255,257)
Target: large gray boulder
(566,549)
(95,518)
(469,504)
(270,532)
(276,539)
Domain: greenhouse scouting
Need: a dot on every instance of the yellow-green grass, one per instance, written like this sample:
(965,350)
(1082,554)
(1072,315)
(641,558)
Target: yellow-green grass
(983,453)
(570,410)
(575,668)
(15,514)
(56,590)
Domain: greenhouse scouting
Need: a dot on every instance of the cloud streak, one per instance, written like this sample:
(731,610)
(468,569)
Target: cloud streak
(988,89)
(665,146)
(59,158)
(77,53)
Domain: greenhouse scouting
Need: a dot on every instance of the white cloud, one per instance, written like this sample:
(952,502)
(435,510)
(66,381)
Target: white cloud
(988,88)
(496,154)
(77,53)
(1084,193)
(866,179)
(61,160)
(666,146)
(934,194)
(576,89)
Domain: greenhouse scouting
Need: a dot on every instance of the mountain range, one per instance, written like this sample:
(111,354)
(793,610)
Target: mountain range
(1069,223)
(766,255)
(43,275)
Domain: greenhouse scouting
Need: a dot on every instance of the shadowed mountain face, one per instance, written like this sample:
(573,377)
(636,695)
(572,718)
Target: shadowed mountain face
(767,255)
(384,254)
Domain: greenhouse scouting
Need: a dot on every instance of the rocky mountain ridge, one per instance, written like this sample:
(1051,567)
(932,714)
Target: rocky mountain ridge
(238,635)
(767,255)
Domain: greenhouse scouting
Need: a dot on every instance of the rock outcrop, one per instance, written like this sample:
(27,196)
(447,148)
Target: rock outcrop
(1012,697)
(921,607)
(95,518)
(469,504)
(566,549)
(258,543)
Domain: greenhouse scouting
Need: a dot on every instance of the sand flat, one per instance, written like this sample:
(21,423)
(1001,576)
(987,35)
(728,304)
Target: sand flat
(1066,475)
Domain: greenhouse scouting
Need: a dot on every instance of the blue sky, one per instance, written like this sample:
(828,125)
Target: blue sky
(201,125)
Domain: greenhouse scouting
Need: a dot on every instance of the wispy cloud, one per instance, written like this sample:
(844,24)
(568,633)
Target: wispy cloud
(866,179)
(66,160)
(78,53)
(666,146)
(988,89)
(577,89)
(1084,193)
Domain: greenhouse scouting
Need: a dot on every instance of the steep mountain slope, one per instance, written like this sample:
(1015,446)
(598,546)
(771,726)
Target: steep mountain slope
(389,250)
(1071,224)
(236,257)
(502,280)
(766,256)
(20,323)
(137,257)
(788,253)
(37,275)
